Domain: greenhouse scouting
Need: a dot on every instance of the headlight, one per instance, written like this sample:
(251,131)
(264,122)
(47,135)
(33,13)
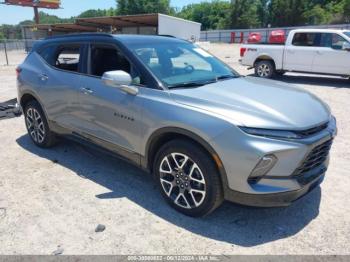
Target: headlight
(271,133)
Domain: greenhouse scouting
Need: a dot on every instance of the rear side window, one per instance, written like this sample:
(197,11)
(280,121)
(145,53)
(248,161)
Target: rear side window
(48,53)
(64,57)
(306,39)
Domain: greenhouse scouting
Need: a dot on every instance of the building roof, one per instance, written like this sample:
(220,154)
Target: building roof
(120,21)
(66,27)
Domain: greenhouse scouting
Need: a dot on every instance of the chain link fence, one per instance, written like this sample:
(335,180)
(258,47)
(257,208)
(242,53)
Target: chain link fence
(14,51)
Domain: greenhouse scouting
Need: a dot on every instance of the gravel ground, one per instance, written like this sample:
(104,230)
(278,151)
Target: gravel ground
(51,201)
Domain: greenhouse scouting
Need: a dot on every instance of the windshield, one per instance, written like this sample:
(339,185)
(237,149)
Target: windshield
(347,33)
(182,64)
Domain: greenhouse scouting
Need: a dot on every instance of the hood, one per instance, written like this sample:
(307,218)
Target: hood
(257,102)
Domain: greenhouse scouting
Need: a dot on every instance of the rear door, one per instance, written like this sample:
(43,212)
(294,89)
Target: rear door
(60,80)
(300,53)
(109,116)
(330,57)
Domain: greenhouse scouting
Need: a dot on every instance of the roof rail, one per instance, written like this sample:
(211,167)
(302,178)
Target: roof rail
(78,35)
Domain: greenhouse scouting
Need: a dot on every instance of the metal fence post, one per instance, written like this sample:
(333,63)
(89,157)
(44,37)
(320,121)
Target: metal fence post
(5,49)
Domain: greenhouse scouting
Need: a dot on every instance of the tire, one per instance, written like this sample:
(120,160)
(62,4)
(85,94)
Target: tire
(265,69)
(37,126)
(195,188)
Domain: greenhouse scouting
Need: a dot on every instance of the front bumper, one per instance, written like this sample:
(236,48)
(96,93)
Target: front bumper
(294,174)
(274,199)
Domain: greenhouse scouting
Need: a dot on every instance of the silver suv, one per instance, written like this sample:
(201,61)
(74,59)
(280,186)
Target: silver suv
(205,132)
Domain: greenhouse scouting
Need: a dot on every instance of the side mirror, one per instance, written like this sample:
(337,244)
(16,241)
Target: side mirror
(346,46)
(121,80)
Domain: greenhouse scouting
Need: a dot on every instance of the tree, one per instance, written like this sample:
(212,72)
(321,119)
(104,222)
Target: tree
(244,14)
(132,7)
(93,13)
(212,15)
(52,19)
(317,15)
(346,11)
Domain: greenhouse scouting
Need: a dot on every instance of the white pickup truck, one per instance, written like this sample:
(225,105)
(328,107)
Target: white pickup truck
(316,51)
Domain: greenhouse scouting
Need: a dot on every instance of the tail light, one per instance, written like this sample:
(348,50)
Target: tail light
(18,71)
(243,50)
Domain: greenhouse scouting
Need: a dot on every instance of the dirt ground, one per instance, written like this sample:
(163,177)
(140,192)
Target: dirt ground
(52,200)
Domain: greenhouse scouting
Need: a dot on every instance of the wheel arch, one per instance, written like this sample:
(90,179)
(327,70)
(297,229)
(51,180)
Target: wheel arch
(263,58)
(30,96)
(164,135)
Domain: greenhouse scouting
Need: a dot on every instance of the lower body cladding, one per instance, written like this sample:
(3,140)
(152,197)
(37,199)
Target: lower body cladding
(268,172)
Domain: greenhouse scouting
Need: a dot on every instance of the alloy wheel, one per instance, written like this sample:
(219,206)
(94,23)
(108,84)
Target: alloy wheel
(182,180)
(35,125)
(264,70)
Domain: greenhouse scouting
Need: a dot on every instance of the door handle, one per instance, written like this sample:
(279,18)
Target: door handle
(291,51)
(43,77)
(86,90)
(319,53)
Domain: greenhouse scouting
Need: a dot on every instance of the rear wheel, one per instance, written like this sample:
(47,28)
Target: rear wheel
(37,126)
(188,178)
(265,69)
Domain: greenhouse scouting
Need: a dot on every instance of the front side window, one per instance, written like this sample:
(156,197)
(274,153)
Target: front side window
(347,33)
(180,64)
(106,58)
(331,40)
(306,39)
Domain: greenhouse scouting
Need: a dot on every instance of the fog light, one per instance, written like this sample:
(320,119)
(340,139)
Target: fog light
(265,164)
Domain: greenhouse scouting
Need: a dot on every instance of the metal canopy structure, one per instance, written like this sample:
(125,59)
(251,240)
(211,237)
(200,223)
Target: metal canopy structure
(67,27)
(121,21)
(146,24)
(110,24)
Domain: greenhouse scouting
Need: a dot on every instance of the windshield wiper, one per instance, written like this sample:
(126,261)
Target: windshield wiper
(224,77)
(191,84)
(202,83)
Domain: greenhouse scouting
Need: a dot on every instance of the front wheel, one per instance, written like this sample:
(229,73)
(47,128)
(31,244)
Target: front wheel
(188,178)
(264,69)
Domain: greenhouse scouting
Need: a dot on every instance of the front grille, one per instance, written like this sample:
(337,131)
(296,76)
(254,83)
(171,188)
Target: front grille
(315,159)
(312,131)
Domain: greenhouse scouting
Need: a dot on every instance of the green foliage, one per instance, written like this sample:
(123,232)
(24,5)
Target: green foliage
(52,19)
(92,13)
(214,15)
(2,36)
(130,7)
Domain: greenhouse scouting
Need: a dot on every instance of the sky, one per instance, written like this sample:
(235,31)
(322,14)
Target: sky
(16,14)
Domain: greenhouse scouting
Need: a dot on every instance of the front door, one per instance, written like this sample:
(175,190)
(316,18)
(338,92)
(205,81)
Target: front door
(330,57)
(109,115)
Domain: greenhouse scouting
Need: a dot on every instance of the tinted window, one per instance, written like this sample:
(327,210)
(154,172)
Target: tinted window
(108,58)
(306,39)
(48,53)
(334,41)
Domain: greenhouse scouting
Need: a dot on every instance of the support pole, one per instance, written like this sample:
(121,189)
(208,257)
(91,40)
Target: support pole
(36,15)
(5,48)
